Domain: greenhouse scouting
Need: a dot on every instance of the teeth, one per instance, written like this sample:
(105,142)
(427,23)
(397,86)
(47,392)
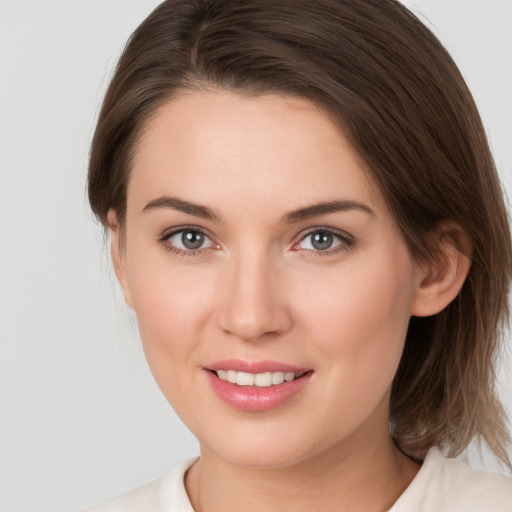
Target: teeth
(245,379)
(277,378)
(261,380)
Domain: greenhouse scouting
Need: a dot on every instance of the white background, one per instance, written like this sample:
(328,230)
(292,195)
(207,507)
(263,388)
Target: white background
(80,416)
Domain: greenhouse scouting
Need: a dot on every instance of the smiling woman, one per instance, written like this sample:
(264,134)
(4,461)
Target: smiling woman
(270,280)
(290,190)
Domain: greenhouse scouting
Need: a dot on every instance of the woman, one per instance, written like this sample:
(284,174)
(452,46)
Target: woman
(307,221)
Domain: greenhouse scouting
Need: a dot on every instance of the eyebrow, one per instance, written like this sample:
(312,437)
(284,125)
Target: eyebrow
(182,206)
(316,210)
(299,215)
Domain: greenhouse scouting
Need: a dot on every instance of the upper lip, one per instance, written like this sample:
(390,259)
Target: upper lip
(240,365)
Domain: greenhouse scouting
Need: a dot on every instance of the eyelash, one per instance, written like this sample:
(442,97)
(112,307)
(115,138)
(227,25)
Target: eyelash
(346,242)
(164,239)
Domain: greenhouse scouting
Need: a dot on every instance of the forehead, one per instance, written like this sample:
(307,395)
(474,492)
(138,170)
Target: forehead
(213,145)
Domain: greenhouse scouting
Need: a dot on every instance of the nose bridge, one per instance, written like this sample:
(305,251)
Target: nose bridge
(252,305)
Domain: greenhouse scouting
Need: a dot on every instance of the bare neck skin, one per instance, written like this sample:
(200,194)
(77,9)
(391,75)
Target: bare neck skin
(361,474)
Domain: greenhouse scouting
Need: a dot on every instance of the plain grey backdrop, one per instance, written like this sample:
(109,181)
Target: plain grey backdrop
(80,416)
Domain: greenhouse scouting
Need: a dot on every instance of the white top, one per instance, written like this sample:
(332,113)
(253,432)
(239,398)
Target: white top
(441,485)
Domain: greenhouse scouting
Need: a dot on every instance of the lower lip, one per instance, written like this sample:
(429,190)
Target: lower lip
(255,399)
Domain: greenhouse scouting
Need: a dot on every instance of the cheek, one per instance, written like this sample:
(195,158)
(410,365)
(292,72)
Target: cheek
(172,304)
(358,318)
(172,308)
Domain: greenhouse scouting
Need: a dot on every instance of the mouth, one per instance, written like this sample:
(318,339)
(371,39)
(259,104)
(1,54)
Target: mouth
(259,380)
(259,386)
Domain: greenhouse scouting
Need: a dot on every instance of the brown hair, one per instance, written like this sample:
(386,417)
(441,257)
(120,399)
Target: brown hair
(399,98)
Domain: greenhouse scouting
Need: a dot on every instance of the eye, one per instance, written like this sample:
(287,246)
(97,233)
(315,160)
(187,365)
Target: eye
(188,240)
(322,240)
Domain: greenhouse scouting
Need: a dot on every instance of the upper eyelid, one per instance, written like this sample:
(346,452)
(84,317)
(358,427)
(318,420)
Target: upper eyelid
(173,231)
(338,232)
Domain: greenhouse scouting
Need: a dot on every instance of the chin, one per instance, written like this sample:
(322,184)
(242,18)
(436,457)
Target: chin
(257,457)
(270,448)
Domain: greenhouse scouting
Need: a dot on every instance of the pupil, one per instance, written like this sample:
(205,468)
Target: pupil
(192,239)
(322,240)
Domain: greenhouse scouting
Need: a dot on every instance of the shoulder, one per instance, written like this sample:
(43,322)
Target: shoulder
(165,494)
(447,485)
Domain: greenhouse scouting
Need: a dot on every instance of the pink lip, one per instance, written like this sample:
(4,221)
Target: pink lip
(255,366)
(252,398)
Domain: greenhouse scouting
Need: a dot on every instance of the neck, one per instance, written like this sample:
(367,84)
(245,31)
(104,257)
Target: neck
(351,476)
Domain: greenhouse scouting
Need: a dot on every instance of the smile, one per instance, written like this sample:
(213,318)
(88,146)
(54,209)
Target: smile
(261,380)
(256,387)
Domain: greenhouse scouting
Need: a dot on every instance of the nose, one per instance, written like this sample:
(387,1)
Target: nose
(253,306)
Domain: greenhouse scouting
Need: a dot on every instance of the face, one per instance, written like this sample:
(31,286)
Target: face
(257,249)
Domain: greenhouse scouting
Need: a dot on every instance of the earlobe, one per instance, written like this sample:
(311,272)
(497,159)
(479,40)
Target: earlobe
(441,279)
(116,251)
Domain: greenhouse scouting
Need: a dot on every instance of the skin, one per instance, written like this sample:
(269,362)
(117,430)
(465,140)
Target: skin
(257,289)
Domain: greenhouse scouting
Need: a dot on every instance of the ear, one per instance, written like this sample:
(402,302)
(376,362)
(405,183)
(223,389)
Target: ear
(118,257)
(441,279)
